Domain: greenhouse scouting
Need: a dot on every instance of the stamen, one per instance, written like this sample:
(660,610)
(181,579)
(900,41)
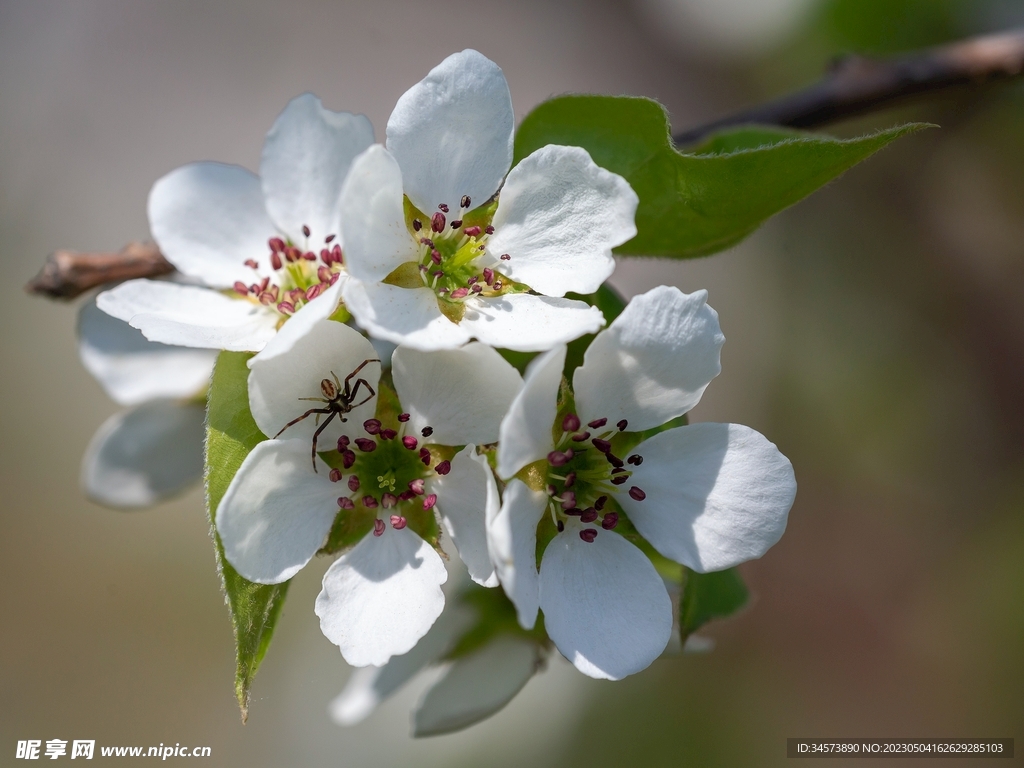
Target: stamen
(410,442)
(398,522)
(388,434)
(456,223)
(568,500)
(435,256)
(636,494)
(589,515)
(365,445)
(353,483)
(406,495)
(430,501)
(389,500)
(372,427)
(477,288)
(252,263)
(403,417)
(335,475)
(576,511)
(346,503)
(636,459)
(427,431)
(505,257)
(443,207)
(276,245)
(241,288)
(336,254)
(305,230)
(324,273)
(417,225)
(489,229)
(460,293)
(465,201)
(369,502)
(444,467)
(427,242)
(570,479)
(570,423)
(329,238)
(561,526)
(622,425)
(437,222)
(416,486)
(472,231)
(309,256)
(425,456)
(488,276)
(601,501)
(286,308)
(614,460)
(588,535)
(275,261)
(557,459)
(620,470)
(610,521)
(378,527)
(348,458)
(314,290)
(580,437)
(602,445)
(497,285)
(619,479)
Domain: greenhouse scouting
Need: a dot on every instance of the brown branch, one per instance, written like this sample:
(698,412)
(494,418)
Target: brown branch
(67,274)
(856,84)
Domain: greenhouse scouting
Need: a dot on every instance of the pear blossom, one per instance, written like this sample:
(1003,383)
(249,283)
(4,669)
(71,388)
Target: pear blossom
(390,478)
(262,248)
(153,449)
(434,261)
(708,496)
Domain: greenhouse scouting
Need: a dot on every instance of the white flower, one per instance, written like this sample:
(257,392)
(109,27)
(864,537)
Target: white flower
(272,240)
(382,595)
(154,449)
(434,264)
(708,496)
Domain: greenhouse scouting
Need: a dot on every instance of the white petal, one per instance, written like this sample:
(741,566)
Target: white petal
(452,133)
(558,218)
(330,350)
(461,393)
(512,541)
(406,316)
(476,686)
(276,512)
(381,597)
(653,362)
(132,369)
(208,218)
(373,226)
(187,316)
(529,323)
(525,434)
(145,454)
(467,497)
(367,687)
(306,157)
(605,606)
(717,494)
(299,324)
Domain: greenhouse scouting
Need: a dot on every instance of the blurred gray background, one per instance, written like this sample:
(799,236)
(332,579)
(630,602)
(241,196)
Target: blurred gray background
(875,332)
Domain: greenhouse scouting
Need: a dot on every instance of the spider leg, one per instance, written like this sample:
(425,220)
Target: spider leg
(356,389)
(317,434)
(317,399)
(357,370)
(310,412)
(336,382)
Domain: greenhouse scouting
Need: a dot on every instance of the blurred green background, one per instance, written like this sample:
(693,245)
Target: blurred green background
(875,333)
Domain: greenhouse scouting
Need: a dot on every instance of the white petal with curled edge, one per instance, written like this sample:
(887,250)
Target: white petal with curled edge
(558,218)
(512,542)
(406,316)
(476,686)
(525,434)
(717,494)
(528,323)
(377,240)
(132,369)
(306,157)
(276,511)
(452,133)
(462,394)
(367,687)
(144,455)
(467,497)
(605,606)
(277,385)
(299,324)
(208,219)
(653,362)
(381,597)
(188,316)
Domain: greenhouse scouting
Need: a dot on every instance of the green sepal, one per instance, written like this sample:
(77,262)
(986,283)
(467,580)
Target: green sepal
(231,434)
(708,596)
(495,615)
(704,201)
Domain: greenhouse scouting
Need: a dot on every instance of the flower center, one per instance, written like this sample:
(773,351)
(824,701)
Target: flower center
(297,278)
(386,471)
(583,472)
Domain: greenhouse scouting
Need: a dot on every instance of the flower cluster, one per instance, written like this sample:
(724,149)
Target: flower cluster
(376,285)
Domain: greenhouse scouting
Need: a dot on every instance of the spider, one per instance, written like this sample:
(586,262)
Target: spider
(338,399)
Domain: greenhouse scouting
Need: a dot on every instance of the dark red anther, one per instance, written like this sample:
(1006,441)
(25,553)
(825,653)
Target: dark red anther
(427,431)
(291,253)
(398,522)
(488,275)
(329,238)
(570,479)
(557,459)
(353,483)
(602,445)
(472,231)
(435,256)
(568,500)
(346,503)
(305,230)
(597,423)
(622,425)
(497,285)
(324,273)
(335,475)
(267,298)
(314,290)
(636,459)
(252,263)
(588,535)
(570,423)
(614,460)
(276,245)
(336,256)
(477,288)
(620,470)
(410,442)
(489,229)
(403,417)
(610,521)
(378,527)
(388,500)
(254,288)
(444,467)
(443,207)
(369,502)
(348,458)
(437,222)
(576,511)
(365,445)
(286,308)
(275,261)
(561,526)
(425,456)
(456,223)
(465,201)
(372,426)
(619,479)
(429,501)
(601,501)
(460,293)
(416,486)
(589,515)
(309,256)
(406,495)
(427,242)
(579,437)
(417,225)
(505,257)
(636,494)
(325,256)
(552,490)
(241,288)
(388,434)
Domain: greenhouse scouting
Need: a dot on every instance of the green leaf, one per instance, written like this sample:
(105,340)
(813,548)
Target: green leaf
(695,204)
(230,434)
(708,596)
